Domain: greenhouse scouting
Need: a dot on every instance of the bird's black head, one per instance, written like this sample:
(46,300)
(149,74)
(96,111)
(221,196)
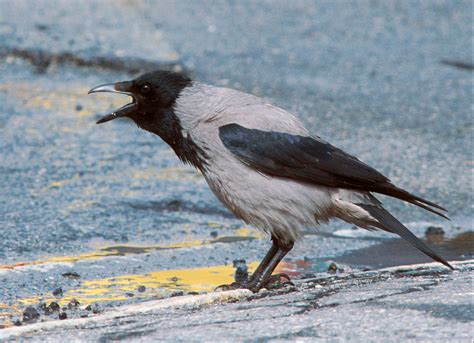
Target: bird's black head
(154,95)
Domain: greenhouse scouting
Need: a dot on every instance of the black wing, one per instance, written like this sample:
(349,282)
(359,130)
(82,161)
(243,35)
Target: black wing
(310,160)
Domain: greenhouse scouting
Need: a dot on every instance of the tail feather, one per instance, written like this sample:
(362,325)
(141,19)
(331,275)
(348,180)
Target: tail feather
(401,194)
(419,204)
(389,223)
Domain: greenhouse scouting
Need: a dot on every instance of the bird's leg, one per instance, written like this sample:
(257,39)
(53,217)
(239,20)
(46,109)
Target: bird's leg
(264,271)
(266,260)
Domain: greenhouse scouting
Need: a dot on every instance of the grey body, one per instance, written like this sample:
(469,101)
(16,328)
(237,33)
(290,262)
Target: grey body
(279,206)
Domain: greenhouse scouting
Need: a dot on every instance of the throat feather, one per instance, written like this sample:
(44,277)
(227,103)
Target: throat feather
(165,124)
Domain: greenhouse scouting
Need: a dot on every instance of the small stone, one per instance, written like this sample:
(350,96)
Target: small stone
(332,269)
(41,27)
(434,231)
(43,307)
(241,271)
(62,315)
(79,107)
(141,288)
(71,275)
(30,314)
(177,294)
(214,234)
(52,307)
(174,205)
(17,322)
(58,292)
(129,295)
(193,293)
(73,304)
(174,279)
(94,308)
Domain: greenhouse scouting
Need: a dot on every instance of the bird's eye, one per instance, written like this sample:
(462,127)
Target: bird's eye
(145,89)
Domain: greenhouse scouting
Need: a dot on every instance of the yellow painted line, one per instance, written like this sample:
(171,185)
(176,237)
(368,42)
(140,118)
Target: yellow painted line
(112,289)
(158,283)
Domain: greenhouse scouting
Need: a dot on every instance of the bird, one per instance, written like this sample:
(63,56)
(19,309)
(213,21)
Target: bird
(262,163)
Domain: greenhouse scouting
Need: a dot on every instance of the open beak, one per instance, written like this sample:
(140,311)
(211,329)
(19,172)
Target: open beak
(121,88)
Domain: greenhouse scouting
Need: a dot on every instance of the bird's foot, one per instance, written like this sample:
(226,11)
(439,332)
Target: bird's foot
(278,281)
(274,282)
(233,286)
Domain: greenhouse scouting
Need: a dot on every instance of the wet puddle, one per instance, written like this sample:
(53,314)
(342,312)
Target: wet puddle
(397,252)
(389,253)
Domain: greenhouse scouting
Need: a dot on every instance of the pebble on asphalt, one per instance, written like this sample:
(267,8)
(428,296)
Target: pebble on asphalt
(71,275)
(241,271)
(73,304)
(30,314)
(52,307)
(434,231)
(58,292)
(332,269)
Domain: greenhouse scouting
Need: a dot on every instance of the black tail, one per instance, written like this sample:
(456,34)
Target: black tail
(389,223)
(401,194)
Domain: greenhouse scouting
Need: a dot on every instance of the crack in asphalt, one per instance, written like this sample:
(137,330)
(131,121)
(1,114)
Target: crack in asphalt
(459,64)
(43,59)
(120,336)
(305,332)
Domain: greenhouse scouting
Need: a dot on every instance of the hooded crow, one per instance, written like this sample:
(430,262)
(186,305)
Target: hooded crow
(262,163)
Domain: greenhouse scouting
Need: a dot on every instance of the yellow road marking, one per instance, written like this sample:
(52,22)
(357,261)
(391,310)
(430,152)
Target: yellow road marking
(159,283)
(112,289)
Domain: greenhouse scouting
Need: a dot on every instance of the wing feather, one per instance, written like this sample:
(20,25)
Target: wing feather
(312,160)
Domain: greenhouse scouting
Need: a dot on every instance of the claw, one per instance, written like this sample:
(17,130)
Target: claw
(274,282)
(278,281)
(231,287)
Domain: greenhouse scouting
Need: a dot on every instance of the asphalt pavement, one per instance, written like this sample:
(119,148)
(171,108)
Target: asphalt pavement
(106,216)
